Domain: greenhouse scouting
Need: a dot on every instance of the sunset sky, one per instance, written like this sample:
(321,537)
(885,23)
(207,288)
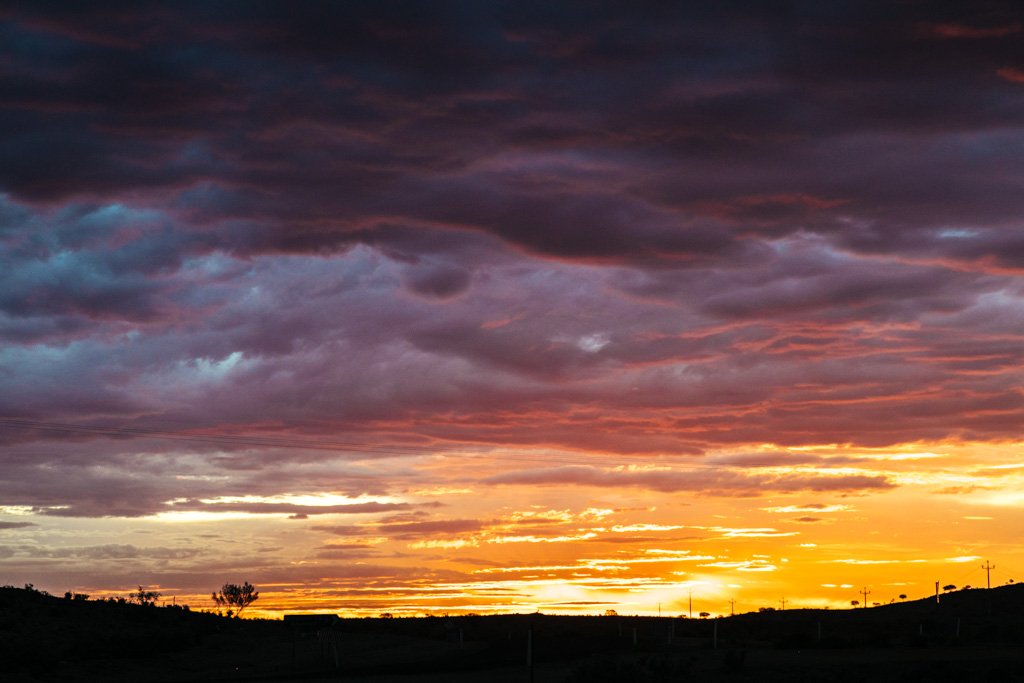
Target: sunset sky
(430,307)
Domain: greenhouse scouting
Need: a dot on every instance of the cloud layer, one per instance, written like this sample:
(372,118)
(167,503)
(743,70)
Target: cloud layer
(256,251)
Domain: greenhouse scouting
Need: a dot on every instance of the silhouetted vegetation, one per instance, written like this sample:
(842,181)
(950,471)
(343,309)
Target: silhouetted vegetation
(144,597)
(236,598)
(38,632)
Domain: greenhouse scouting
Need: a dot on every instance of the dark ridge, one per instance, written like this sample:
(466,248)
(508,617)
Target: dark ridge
(972,634)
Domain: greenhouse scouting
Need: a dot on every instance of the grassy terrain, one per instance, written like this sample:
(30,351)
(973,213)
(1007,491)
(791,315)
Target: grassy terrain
(974,635)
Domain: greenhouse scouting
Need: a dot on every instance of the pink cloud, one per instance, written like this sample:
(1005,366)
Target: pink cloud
(702,481)
(954,30)
(1012,74)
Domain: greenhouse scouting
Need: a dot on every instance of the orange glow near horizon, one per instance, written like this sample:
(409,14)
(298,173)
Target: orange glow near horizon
(455,311)
(579,548)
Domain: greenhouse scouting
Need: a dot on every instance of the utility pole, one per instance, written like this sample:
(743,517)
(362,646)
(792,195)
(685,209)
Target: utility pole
(691,604)
(732,607)
(783,601)
(988,567)
(865,592)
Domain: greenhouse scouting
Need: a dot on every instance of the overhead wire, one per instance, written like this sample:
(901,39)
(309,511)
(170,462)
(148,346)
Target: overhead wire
(966,575)
(1006,572)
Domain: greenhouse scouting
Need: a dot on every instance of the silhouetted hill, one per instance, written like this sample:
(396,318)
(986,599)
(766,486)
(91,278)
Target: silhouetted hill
(39,631)
(969,635)
(974,615)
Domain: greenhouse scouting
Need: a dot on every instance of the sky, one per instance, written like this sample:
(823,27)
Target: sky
(512,306)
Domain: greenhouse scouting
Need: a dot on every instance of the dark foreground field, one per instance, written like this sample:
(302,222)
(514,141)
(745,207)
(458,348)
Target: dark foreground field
(973,635)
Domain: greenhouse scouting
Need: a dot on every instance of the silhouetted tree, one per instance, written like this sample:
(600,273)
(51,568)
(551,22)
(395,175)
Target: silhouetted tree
(903,596)
(144,597)
(949,587)
(233,595)
(854,602)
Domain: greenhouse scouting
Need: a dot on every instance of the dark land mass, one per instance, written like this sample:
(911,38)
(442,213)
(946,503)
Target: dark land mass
(971,635)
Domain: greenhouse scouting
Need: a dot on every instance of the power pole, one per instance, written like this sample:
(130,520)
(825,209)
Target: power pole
(783,601)
(865,592)
(691,604)
(988,567)
(732,607)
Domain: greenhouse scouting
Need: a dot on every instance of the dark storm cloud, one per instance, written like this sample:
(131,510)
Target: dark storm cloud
(637,229)
(305,122)
(438,281)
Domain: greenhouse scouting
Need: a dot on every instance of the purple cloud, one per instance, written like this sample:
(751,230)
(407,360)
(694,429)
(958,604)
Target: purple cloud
(389,231)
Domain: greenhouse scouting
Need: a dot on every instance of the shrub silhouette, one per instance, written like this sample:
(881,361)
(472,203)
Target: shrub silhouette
(232,595)
(144,597)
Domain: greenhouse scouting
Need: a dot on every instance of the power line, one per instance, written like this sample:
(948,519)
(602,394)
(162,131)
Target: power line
(1007,572)
(965,575)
